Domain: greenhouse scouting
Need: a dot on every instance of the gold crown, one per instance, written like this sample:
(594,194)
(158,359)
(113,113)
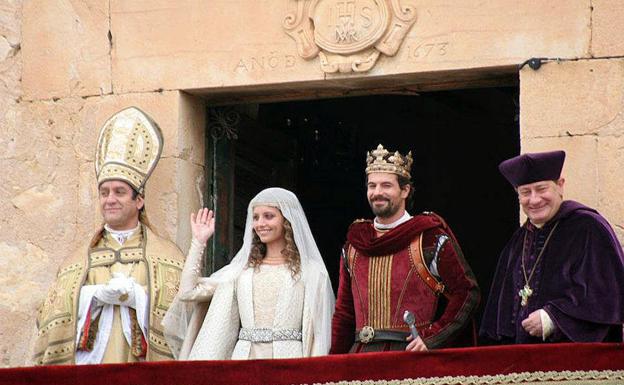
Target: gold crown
(128,148)
(381,160)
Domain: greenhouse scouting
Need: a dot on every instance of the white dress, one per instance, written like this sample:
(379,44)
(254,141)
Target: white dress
(297,318)
(266,298)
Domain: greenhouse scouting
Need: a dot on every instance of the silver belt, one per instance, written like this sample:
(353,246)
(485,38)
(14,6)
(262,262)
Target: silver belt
(269,335)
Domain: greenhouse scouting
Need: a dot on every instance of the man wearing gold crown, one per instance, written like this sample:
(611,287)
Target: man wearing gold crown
(109,298)
(398,267)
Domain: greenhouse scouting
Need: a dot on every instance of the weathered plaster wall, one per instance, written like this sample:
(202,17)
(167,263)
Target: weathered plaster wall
(607,23)
(578,106)
(50,205)
(188,44)
(47,144)
(14,248)
(67,65)
(66,48)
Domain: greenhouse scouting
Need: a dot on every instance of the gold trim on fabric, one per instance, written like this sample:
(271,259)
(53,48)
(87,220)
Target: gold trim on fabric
(57,308)
(108,257)
(168,280)
(158,344)
(56,352)
(164,272)
(130,255)
(353,260)
(119,171)
(129,147)
(379,291)
(106,253)
(56,321)
(567,377)
(398,322)
(101,258)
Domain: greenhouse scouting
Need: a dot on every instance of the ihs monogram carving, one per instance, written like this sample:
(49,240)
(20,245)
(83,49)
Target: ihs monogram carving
(348,35)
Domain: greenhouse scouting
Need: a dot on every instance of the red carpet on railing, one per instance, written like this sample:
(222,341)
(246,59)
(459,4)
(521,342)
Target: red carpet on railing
(561,364)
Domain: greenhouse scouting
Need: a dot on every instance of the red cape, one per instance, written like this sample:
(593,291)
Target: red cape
(363,237)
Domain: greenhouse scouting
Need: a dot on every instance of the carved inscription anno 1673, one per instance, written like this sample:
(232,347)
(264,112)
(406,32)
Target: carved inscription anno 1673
(348,35)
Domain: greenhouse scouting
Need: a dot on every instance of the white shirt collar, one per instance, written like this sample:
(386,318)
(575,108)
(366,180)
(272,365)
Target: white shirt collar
(381,226)
(121,235)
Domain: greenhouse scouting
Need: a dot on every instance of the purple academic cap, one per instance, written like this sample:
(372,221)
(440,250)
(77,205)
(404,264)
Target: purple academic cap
(531,168)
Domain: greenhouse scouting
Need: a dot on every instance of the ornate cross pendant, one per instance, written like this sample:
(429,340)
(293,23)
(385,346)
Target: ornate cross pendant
(525,293)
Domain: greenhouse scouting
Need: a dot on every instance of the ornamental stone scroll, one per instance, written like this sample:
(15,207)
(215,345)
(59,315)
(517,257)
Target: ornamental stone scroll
(348,35)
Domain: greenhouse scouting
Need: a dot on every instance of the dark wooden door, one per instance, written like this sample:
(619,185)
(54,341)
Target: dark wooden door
(244,157)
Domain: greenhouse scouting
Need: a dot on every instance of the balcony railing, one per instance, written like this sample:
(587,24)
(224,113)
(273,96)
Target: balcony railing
(561,364)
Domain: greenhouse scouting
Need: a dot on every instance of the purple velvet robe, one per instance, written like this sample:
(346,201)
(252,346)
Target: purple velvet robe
(579,280)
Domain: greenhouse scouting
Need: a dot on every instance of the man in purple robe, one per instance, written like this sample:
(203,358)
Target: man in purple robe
(561,276)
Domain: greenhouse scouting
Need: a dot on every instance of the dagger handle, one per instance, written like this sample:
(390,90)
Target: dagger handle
(413,331)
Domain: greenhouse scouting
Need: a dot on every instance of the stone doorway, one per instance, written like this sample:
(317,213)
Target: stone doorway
(317,149)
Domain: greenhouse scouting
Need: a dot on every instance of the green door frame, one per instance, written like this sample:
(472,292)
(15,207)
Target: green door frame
(221,135)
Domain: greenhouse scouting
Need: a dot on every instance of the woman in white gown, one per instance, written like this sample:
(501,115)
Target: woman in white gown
(274,299)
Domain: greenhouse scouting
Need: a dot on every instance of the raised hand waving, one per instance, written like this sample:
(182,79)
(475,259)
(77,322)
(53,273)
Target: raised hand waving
(202,225)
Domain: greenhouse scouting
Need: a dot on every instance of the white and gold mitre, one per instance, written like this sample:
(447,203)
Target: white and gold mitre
(128,148)
(382,160)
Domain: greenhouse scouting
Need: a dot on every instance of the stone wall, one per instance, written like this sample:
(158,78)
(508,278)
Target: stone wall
(203,45)
(50,205)
(15,309)
(48,131)
(578,106)
(67,65)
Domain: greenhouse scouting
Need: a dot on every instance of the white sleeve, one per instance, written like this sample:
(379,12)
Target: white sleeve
(87,293)
(203,291)
(139,301)
(181,317)
(548,326)
(142,308)
(101,340)
(192,267)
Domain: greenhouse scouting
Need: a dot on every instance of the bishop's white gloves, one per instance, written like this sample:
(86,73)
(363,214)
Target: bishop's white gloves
(99,301)
(120,290)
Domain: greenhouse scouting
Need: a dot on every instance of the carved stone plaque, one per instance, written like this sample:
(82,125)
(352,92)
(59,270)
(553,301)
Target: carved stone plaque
(348,35)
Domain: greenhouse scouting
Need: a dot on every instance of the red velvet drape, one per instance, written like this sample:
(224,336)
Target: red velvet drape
(370,366)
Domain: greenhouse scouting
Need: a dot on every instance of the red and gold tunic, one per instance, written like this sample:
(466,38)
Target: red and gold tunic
(385,273)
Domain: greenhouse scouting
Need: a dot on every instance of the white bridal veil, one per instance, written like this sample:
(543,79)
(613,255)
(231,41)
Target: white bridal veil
(318,291)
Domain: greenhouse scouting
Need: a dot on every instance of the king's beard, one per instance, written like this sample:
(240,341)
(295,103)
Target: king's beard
(385,211)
